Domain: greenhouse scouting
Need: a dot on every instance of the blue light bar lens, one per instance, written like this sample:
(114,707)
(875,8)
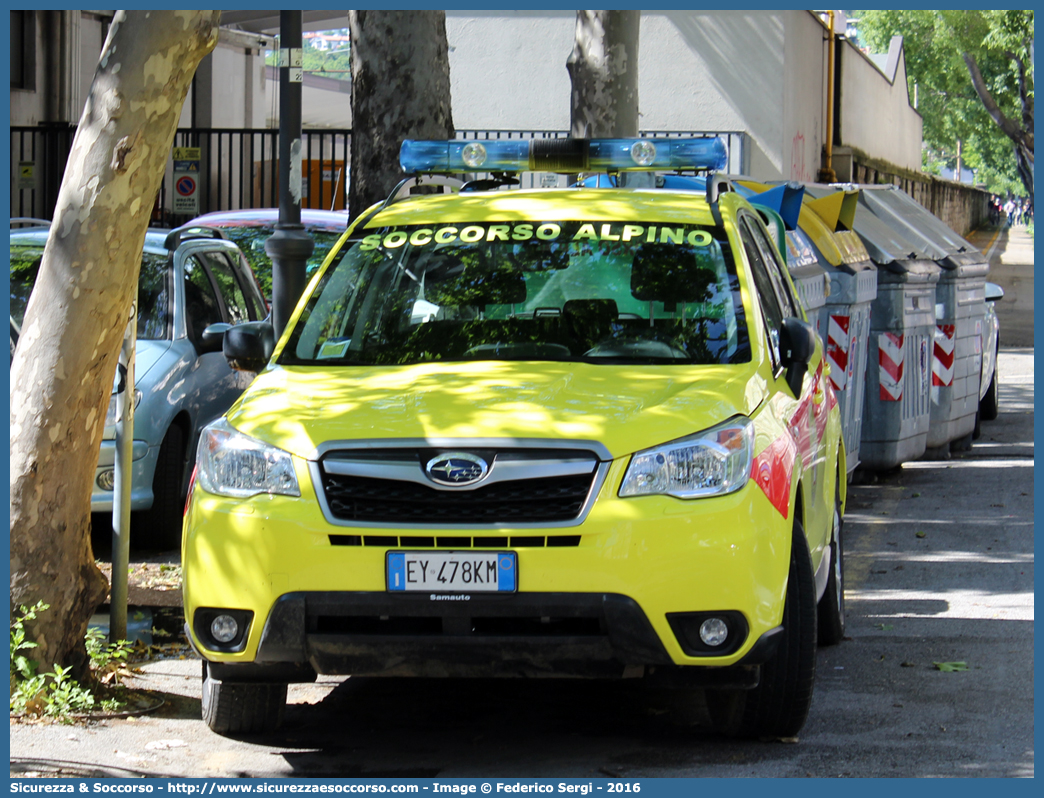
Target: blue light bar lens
(656,154)
(452,157)
(563,155)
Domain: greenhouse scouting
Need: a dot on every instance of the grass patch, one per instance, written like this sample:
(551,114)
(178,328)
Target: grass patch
(56,694)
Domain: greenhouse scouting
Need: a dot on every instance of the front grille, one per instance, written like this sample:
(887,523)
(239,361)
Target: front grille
(456,542)
(362,499)
(476,626)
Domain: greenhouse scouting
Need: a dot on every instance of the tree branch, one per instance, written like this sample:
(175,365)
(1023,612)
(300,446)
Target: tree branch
(1026,100)
(1010,129)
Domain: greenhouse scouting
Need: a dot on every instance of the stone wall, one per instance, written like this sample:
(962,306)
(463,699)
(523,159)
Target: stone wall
(963,207)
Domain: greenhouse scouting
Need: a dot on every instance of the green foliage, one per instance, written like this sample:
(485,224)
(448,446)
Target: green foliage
(324,63)
(21,666)
(935,43)
(57,694)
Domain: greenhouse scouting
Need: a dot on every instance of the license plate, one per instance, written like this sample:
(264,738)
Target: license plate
(452,571)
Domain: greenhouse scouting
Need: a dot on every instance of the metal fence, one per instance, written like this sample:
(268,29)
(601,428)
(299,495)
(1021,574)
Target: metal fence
(38,157)
(239,167)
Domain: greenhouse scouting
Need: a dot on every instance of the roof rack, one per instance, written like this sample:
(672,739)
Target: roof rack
(29,221)
(189,232)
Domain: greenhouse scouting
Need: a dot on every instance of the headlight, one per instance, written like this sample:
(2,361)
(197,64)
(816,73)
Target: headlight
(711,463)
(233,464)
(114,404)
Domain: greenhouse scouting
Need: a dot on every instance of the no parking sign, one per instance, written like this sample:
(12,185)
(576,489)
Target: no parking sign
(186,180)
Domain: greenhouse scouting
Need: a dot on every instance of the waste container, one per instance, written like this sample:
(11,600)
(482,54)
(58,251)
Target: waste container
(960,298)
(809,277)
(897,409)
(847,310)
(843,315)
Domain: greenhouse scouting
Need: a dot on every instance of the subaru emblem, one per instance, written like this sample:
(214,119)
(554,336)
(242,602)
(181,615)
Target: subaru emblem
(456,469)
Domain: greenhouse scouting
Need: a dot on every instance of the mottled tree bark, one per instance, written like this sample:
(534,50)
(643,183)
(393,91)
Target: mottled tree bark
(604,71)
(400,90)
(62,372)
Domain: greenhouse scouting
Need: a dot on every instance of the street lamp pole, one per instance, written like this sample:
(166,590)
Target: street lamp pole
(290,246)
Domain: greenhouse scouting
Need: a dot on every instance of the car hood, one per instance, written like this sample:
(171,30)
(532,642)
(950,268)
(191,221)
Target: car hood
(146,355)
(625,408)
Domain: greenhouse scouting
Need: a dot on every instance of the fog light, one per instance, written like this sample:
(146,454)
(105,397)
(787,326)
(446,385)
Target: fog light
(713,631)
(224,628)
(106,479)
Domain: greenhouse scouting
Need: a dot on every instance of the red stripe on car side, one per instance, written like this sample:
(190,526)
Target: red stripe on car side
(773,469)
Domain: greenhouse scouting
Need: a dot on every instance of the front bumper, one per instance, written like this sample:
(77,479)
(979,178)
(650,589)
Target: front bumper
(608,597)
(144,467)
(522,634)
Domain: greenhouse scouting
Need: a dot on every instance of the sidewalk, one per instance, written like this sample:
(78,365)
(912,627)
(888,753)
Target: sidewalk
(1010,250)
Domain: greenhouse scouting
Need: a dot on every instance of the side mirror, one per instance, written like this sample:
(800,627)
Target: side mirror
(248,346)
(212,337)
(797,344)
(994,292)
(120,383)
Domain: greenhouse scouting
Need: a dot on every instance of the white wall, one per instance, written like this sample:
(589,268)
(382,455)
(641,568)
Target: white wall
(804,97)
(876,114)
(759,72)
(508,69)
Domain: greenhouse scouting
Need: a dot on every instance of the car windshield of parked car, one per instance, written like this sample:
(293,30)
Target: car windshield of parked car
(251,238)
(153,287)
(585,291)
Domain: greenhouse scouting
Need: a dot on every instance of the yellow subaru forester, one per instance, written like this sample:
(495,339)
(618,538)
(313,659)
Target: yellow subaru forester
(556,432)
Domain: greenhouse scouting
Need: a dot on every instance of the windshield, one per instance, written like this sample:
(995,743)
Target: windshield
(594,292)
(153,288)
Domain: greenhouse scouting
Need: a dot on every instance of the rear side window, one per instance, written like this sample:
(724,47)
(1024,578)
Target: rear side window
(231,291)
(776,270)
(770,305)
(201,304)
(154,297)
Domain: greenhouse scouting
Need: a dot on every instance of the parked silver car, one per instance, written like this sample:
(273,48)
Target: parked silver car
(190,278)
(989,397)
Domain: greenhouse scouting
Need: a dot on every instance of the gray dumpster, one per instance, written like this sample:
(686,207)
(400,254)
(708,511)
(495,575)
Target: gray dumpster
(809,277)
(845,316)
(897,412)
(785,201)
(960,298)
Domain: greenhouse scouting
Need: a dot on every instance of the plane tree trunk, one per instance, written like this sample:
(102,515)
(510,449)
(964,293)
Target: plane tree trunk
(603,68)
(62,372)
(400,90)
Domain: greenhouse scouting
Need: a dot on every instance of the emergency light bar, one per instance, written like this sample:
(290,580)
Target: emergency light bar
(563,156)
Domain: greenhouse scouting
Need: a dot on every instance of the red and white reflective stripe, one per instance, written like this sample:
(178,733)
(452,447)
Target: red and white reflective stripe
(837,351)
(942,362)
(890,351)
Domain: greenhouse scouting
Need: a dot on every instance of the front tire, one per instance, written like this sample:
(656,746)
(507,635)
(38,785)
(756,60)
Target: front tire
(235,709)
(831,609)
(162,521)
(778,706)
